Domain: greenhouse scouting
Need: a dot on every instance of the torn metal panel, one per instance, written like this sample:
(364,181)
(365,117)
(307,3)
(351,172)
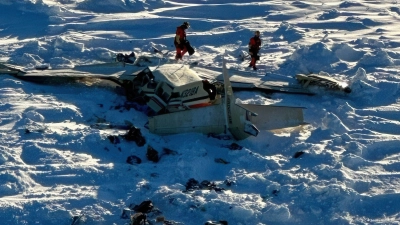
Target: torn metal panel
(202,120)
(271,117)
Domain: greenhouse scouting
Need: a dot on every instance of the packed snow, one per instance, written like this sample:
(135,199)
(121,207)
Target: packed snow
(340,168)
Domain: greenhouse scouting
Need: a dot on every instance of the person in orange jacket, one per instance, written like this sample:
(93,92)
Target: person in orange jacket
(180,40)
(254,47)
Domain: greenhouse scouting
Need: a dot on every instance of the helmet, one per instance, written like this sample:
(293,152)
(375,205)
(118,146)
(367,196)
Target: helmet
(186,24)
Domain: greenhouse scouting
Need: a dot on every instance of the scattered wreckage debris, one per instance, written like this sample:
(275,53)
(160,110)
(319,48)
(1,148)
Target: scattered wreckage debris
(139,219)
(229,183)
(133,134)
(78,219)
(114,139)
(221,160)
(126,58)
(162,221)
(138,213)
(144,207)
(145,214)
(298,154)
(152,154)
(275,192)
(193,185)
(324,81)
(167,151)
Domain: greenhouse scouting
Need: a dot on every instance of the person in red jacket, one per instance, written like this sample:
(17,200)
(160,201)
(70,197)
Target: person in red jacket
(254,47)
(180,40)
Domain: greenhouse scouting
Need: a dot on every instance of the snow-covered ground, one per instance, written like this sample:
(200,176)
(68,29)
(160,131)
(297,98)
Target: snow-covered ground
(54,165)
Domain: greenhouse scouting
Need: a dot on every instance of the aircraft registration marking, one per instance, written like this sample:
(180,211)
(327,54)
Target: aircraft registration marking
(189,92)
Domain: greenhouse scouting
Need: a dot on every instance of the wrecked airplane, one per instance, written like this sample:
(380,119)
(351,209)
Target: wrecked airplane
(181,100)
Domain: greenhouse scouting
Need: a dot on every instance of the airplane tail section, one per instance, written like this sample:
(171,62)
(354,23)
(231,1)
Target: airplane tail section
(235,119)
